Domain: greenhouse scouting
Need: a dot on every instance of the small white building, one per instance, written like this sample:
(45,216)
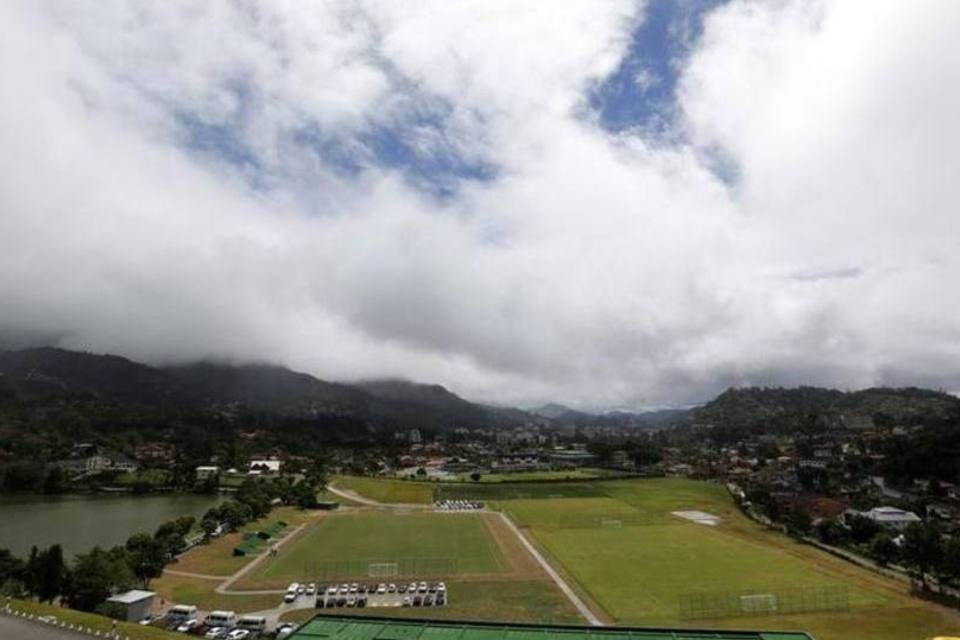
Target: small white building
(136,603)
(890,517)
(205,472)
(264,467)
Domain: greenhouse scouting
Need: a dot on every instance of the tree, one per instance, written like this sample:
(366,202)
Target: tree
(765,503)
(950,565)
(11,573)
(922,548)
(798,523)
(209,526)
(52,574)
(883,549)
(96,575)
(645,453)
(935,489)
(830,531)
(475,476)
(316,473)
(862,529)
(146,557)
(55,482)
(172,535)
(305,495)
(31,572)
(45,573)
(184,524)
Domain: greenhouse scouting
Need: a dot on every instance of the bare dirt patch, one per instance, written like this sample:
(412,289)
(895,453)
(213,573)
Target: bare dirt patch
(700,517)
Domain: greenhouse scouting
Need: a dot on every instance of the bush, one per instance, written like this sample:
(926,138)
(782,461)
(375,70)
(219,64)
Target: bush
(113,610)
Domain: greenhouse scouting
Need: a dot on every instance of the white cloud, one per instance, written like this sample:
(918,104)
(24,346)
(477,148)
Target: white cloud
(592,268)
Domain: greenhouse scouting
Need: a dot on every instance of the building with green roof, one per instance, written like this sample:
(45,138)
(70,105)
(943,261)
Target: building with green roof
(327,627)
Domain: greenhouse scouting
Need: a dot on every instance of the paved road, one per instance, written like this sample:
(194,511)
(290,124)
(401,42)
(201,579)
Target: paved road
(356,497)
(19,629)
(561,583)
(224,587)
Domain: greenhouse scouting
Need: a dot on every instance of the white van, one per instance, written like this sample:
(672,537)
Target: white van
(181,613)
(253,624)
(220,619)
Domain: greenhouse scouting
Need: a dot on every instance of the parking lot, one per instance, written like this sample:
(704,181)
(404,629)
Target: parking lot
(458,505)
(360,595)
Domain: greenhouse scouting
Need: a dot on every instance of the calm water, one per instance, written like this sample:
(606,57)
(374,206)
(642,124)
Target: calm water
(78,523)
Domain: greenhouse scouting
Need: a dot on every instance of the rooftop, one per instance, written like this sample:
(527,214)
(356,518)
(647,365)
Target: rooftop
(379,628)
(132,596)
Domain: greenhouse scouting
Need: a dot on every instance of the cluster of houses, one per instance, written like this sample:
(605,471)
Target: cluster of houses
(257,467)
(833,474)
(87,458)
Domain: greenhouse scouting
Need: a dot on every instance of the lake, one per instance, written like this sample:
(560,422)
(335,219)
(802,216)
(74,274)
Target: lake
(80,522)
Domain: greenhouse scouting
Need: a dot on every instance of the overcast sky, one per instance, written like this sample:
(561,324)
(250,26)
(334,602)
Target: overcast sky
(605,204)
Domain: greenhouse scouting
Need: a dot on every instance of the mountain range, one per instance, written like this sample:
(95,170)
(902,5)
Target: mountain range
(381,404)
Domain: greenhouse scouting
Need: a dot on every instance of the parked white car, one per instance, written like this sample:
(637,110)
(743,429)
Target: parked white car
(188,625)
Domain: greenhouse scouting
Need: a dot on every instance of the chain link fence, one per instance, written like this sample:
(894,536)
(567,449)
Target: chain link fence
(407,567)
(729,604)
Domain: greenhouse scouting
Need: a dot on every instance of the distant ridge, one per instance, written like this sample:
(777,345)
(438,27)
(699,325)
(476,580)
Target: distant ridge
(385,404)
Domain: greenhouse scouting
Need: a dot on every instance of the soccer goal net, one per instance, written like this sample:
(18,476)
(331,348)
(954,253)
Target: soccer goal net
(760,603)
(725,604)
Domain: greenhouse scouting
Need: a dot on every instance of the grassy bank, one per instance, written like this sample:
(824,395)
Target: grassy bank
(92,621)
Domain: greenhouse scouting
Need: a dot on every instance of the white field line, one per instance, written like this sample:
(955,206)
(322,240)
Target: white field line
(356,497)
(561,583)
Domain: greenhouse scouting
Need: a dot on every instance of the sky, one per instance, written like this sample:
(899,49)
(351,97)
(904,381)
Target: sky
(600,203)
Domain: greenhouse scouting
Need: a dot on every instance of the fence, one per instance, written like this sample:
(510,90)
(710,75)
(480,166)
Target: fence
(700,606)
(516,491)
(406,567)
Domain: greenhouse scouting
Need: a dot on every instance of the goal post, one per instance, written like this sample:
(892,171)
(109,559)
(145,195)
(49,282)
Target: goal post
(758,603)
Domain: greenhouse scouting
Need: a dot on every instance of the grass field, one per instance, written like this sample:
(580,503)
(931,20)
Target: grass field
(615,541)
(493,575)
(641,572)
(532,476)
(216,558)
(391,491)
(423,544)
(618,544)
(202,593)
(519,490)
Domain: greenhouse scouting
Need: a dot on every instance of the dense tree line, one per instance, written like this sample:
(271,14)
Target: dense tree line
(40,425)
(92,577)
(923,549)
(738,413)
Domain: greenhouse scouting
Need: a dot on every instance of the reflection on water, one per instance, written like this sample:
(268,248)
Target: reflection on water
(80,522)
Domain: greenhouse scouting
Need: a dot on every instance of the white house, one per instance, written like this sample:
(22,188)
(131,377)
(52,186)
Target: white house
(890,517)
(264,467)
(205,472)
(136,604)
